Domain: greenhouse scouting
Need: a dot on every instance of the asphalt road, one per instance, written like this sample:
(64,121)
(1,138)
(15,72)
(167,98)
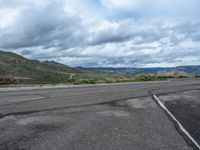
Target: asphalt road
(186,108)
(99,117)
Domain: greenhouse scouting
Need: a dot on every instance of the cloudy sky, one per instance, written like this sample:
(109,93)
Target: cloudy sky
(103,33)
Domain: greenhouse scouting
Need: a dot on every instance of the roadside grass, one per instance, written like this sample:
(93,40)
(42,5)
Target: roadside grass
(145,79)
(88,79)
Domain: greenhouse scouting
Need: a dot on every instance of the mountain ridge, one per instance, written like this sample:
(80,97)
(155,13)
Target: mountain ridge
(18,69)
(195,69)
(12,64)
(15,68)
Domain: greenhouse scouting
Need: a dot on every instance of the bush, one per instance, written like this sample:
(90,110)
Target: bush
(85,81)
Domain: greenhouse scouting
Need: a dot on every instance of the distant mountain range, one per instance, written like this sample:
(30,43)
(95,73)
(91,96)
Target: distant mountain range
(137,71)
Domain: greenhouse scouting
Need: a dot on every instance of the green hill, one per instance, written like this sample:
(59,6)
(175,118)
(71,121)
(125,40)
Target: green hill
(17,69)
(33,71)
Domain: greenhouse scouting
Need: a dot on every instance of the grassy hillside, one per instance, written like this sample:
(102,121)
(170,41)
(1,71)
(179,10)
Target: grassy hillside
(17,69)
(33,71)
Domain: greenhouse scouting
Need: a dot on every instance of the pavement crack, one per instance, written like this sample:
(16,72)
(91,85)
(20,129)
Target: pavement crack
(111,102)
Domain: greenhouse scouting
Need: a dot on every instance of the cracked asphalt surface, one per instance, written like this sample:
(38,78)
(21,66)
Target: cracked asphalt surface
(186,108)
(104,117)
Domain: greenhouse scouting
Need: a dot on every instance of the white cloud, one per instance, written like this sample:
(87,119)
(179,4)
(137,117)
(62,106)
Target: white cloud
(119,33)
(7,17)
(120,4)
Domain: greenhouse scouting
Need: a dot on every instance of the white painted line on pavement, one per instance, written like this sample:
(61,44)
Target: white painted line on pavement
(175,120)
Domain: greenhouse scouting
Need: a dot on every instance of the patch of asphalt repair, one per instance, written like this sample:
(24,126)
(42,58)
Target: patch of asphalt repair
(124,124)
(186,135)
(185,106)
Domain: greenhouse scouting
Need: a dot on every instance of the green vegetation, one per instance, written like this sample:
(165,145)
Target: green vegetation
(150,78)
(21,70)
(143,78)
(15,69)
(85,81)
